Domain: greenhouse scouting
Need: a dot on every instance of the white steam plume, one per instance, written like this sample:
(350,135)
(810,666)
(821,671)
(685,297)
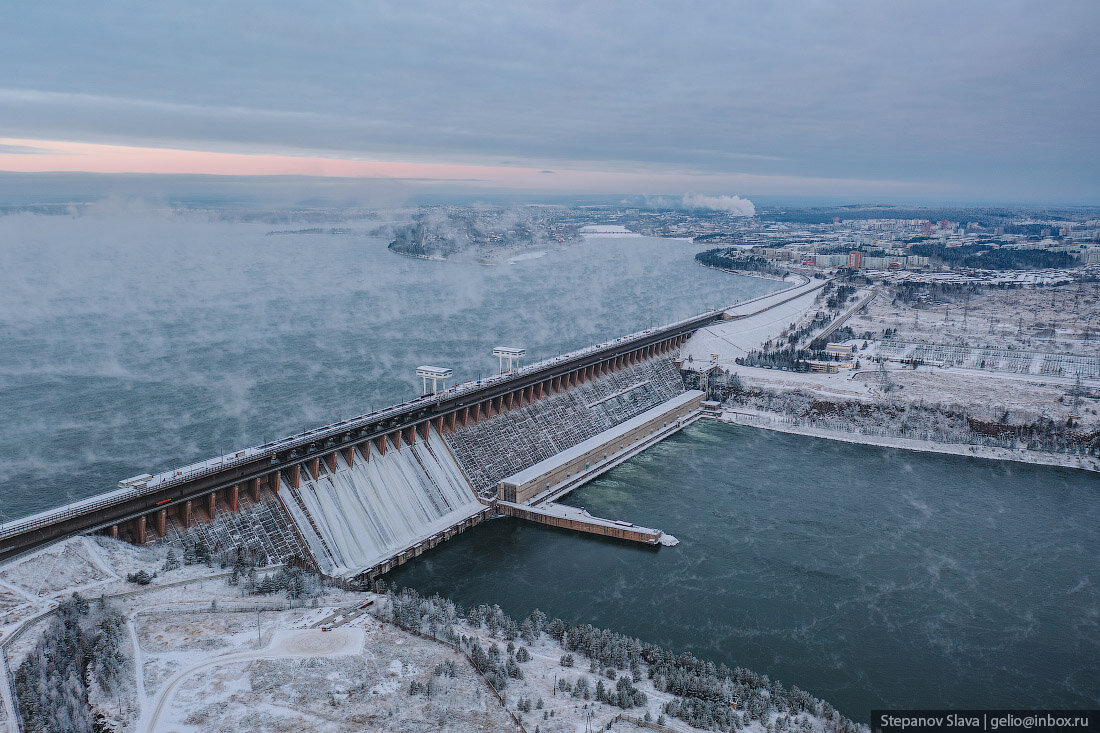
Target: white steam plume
(732,204)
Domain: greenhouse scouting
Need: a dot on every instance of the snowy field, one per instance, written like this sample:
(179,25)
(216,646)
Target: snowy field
(731,340)
(202,656)
(1063,319)
(987,388)
(355,677)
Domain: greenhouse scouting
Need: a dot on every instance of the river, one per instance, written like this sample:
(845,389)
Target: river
(871,577)
(138,338)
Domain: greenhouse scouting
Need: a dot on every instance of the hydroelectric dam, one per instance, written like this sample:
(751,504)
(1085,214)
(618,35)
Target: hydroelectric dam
(361,496)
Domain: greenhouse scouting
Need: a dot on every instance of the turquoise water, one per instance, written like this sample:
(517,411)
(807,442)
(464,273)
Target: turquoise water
(871,577)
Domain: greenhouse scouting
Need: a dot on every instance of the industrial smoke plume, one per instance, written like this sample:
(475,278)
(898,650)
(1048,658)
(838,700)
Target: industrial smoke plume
(732,204)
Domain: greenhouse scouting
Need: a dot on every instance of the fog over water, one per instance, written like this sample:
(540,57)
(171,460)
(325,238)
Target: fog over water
(138,338)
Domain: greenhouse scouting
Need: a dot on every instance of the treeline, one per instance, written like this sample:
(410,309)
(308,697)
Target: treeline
(1032,230)
(80,648)
(985,257)
(732,259)
(843,250)
(788,359)
(820,320)
(835,300)
(989,426)
(296,582)
(705,694)
(824,215)
(910,292)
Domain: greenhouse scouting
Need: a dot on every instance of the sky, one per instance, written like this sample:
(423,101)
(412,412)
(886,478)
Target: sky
(973,101)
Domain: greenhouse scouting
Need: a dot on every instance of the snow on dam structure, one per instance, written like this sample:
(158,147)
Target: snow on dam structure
(505,444)
(362,495)
(354,517)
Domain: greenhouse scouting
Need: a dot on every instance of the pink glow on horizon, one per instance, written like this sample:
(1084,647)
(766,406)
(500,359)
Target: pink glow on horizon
(58,156)
(55,156)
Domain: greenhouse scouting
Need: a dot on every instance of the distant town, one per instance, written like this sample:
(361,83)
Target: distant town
(892,243)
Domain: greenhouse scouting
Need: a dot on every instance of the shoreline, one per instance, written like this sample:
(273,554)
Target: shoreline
(491,256)
(749,273)
(774,422)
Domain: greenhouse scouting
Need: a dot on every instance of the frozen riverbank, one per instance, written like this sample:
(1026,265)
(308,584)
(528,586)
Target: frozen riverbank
(785,424)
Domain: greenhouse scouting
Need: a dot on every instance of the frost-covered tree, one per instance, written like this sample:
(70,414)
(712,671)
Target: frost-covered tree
(80,643)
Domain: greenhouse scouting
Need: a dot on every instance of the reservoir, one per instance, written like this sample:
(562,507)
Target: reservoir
(140,342)
(872,577)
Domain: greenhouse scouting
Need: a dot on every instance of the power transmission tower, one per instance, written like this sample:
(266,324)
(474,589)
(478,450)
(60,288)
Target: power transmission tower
(884,376)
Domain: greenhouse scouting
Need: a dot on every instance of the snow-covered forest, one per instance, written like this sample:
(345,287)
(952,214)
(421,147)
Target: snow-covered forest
(986,425)
(697,692)
(439,233)
(80,648)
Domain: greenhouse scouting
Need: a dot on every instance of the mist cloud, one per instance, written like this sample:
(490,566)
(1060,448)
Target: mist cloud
(732,204)
(139,336)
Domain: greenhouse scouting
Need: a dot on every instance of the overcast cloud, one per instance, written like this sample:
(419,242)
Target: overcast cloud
(977,100)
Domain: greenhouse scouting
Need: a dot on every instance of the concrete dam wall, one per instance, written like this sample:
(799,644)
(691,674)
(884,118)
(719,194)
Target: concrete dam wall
(367,508)
(501,446)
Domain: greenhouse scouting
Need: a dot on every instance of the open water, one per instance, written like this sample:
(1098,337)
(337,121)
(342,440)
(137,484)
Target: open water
(138,339)
(871,577)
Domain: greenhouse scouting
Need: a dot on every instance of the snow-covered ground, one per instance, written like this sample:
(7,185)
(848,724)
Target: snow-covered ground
(983,388)
(205,657)
(778,423)
(1063,319)
(756,322)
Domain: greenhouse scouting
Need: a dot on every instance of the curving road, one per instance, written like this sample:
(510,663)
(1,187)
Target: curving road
(292,643)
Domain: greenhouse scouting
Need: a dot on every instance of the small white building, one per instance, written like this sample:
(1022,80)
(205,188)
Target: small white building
(436,374)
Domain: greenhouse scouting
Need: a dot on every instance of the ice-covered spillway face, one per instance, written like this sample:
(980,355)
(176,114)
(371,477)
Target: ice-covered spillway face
(360,515)
(492,449)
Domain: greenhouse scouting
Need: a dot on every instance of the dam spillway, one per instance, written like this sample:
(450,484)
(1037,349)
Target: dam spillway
(361,512)
(353,517)
(365,511)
